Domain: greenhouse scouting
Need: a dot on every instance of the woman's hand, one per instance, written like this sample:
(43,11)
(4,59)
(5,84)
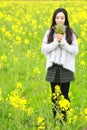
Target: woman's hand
(59,37)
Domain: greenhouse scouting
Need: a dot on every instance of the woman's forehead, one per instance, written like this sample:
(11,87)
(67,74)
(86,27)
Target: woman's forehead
(60,14)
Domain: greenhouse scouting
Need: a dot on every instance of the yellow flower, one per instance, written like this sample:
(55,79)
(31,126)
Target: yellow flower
(40,120)
(1,15)
(41,127)
(19,85)
(0,99)
(83,34)
(64,104)
(4,58)
(85,111)
(75,117)
(54,96)
(70,94)
(26,41)
(0,92)
(82,114)
(82,54)
(82,63)
(79,40)
(33,22)
(30,111)
(8,34)
(40,123)
(86,118)
(8,18)
(18,38)
(3,29)
(18,102)
(36,70)
(57,90)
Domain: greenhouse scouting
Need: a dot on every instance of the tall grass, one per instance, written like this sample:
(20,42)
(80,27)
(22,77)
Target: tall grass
(25,96)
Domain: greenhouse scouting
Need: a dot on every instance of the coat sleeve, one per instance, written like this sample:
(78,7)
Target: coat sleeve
(47,48)
(73,48)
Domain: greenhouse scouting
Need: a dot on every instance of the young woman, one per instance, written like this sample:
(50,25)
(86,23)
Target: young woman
(60,51)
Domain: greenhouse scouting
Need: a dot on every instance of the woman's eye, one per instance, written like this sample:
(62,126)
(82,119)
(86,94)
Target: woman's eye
(59,18)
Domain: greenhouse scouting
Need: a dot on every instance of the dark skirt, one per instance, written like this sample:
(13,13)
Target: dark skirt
(58,74)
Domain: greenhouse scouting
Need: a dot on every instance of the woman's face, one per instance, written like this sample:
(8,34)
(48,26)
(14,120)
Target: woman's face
(60,18)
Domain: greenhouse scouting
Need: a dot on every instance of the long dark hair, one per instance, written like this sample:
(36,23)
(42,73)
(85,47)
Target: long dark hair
(69,31)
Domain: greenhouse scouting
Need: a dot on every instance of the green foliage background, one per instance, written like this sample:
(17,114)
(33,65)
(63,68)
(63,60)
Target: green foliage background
(22,28)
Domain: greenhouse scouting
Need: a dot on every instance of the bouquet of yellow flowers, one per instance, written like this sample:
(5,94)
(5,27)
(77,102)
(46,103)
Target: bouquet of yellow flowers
(59,29)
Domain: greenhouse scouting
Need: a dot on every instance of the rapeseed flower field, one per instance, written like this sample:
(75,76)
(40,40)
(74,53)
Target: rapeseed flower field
(25,96)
